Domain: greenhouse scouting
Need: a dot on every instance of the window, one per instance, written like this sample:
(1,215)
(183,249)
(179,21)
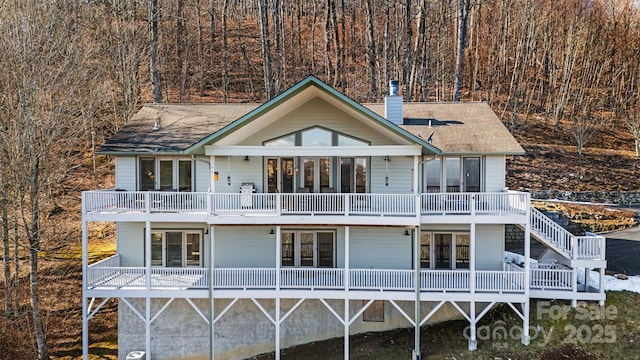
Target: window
(165,174)
(316,174)
(452,166)
(306,248)
(176,248)
(459,174)
(432,176)
(353,175)
(444,250)
(425,250)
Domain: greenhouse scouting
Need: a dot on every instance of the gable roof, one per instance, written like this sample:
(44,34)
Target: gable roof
(320,89)
(457,128)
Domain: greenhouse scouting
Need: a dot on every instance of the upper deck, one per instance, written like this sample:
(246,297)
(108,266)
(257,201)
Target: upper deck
(323,208)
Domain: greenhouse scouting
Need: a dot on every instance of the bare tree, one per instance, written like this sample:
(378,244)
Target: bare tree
(463,15)
(153,50)
(41,101)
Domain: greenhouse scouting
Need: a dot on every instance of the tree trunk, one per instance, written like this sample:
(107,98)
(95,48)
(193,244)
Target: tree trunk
(153,48)
(266,48)
(371,53)
(32,229)
(225,53)
(407,59)
(463,13)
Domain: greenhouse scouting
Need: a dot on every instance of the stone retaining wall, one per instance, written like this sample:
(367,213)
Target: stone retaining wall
(622,198)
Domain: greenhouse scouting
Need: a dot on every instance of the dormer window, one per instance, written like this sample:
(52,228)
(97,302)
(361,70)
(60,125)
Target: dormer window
(316,137)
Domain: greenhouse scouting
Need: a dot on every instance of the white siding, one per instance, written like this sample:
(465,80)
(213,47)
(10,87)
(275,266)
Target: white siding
(380,248)
(201,172)
(489,247)
(239,171)
(130,241)
(494,173)
(125,172)
(244,247)
(399,173)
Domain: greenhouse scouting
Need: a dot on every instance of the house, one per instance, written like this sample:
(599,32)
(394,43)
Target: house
(247,228)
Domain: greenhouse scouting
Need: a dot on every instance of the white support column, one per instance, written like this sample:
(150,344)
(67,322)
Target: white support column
(212,267)
(85,312)
(473,341)
(601,288)
(147,265)
(472,258)
(212,170)
(346,292)
(526,339)
(415,181)
(278,269)
(416,282)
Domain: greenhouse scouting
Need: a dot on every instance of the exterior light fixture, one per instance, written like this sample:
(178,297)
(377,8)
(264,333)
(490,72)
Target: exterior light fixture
(246,158)
(407,233)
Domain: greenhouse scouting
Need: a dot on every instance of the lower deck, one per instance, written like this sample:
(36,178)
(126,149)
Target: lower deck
(107,279)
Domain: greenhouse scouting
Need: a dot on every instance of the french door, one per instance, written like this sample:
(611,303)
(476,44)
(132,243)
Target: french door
(308,248)
(174,248)
(444,250)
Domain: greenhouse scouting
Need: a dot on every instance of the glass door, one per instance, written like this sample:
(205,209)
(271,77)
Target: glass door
(471,170)
(174,249)
(325,249)
(442,251)
(306,249)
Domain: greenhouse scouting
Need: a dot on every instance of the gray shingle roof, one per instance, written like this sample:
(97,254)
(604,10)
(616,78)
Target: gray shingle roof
(179,126)
(456,128)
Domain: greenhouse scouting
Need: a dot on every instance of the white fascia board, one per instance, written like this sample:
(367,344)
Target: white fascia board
(384,150)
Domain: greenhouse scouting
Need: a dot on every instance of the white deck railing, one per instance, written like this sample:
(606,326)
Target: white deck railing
(444,280)
(309,278)
(500,281)
(475,203)
(110,277)
(213,204)
(380,279)
(551,278)
(257,278)
(575,247)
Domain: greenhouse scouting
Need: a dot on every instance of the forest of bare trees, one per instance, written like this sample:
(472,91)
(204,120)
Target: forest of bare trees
(574,63)
(74,71)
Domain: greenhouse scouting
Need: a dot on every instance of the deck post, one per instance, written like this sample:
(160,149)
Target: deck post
(526,339)
(147,260)
(472,258)
(278,269)
(212,258)
(85,312)
(416,281)
(212,177)
(346,293)
(473,342)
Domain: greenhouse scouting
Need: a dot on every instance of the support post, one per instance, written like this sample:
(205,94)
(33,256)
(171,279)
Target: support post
(147,265)
(278,269)
(212,169)
(472,258)
(277,327)
(526,339)
(346,293)
(212,243)
(416,281)
(85,312)
(473,341)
